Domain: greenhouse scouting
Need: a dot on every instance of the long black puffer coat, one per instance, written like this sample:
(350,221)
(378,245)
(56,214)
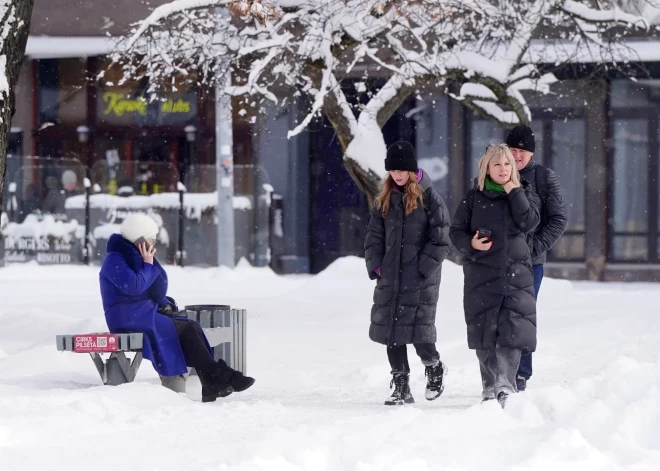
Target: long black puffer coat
(498,298)
(409,250)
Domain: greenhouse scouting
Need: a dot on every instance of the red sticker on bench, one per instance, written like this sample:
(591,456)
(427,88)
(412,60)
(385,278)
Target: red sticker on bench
(95,343)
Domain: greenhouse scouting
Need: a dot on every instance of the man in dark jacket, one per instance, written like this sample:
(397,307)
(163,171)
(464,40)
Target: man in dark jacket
(548,193)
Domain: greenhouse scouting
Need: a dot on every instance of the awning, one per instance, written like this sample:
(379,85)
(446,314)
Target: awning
(640,50)
(58,47)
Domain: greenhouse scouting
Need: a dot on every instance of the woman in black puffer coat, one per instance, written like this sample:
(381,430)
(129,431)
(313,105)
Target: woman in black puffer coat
(499,303)
(406,243)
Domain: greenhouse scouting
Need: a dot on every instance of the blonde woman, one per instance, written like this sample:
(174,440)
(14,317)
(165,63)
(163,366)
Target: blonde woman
(406,243)
(490,230)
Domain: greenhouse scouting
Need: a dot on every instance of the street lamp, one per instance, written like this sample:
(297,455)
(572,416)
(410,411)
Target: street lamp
(188,158)
(191,133)
(83,134)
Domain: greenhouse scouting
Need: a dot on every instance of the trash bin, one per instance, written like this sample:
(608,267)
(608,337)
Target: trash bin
(209,315)
(225,330)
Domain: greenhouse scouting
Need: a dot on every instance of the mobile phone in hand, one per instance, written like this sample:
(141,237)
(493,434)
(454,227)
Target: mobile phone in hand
(484,233)
(144,241)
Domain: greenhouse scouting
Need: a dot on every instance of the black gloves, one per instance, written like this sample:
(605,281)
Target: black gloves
(171,300)
(166,310)
(169,311)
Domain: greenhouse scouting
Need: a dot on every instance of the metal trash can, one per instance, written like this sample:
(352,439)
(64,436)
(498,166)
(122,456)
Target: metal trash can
(225,330)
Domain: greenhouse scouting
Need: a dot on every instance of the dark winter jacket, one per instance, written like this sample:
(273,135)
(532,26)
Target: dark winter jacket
(498,298)
(409,251)
(552,210)
(132,291)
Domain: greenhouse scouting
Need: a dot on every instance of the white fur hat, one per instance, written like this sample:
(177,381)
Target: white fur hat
(139,225)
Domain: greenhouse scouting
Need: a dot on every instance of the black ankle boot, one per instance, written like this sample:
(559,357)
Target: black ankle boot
(240,382)
(214,386)
(434,383)
(401,394)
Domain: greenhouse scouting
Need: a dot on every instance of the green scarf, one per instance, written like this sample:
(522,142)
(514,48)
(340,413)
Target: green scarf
(492,186)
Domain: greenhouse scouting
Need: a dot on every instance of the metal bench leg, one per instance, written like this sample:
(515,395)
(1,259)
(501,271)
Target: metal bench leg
(117,369)
(100,367)
(175,383)
(129,368)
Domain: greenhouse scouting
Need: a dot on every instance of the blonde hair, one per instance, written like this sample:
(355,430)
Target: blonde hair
(413,196)
(496,152)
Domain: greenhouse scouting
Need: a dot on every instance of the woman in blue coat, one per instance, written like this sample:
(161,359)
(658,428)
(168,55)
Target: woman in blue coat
(134,288)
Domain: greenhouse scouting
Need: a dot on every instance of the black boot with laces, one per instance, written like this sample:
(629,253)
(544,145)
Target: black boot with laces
(434,386)
(401,394)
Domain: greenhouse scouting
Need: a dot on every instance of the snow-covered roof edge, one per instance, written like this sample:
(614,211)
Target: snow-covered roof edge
(60,47)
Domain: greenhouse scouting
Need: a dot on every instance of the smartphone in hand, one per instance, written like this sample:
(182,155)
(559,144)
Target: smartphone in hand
(484,233)
(144,241)
(141,241)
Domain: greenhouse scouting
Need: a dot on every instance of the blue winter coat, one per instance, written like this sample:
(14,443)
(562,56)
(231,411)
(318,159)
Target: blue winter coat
(132,291)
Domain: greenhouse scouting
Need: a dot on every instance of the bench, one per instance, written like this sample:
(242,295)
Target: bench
(225,330)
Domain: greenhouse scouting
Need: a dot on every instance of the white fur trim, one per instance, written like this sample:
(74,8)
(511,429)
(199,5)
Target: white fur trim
(139,225)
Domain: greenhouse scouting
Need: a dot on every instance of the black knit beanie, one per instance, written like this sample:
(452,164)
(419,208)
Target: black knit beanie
(401,156)
(521,137)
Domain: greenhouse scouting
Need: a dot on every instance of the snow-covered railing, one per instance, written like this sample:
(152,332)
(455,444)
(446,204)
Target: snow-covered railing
(79,234)
(57,214)
(194,203)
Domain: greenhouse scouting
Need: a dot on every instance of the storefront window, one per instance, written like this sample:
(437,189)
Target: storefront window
(655,185)
(566,95)
(630,189)
(568,161)
(635,171)
(538,129)
(626,94)
(432,146)
(482,134)
(44,184)
(134,178)
(62,91)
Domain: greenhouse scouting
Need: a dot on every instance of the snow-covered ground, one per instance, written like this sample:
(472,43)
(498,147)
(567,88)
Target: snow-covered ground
(594,403)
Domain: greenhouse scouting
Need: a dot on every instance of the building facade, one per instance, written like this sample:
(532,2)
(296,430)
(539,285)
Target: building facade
(600,134)
(70,106)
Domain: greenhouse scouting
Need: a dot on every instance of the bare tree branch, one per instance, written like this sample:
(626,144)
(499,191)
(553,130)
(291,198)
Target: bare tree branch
(493,49)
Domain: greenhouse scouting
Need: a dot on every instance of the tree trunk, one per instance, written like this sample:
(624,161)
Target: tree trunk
(366,180)
(15,16)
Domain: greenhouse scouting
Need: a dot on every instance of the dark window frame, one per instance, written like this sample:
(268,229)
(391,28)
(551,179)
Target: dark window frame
(652,233)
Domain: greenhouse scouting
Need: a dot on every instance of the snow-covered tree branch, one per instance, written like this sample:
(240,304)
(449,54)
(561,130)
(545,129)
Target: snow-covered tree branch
(15,18)
(318,48)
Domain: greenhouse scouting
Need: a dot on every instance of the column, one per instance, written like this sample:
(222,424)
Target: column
(596,180)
